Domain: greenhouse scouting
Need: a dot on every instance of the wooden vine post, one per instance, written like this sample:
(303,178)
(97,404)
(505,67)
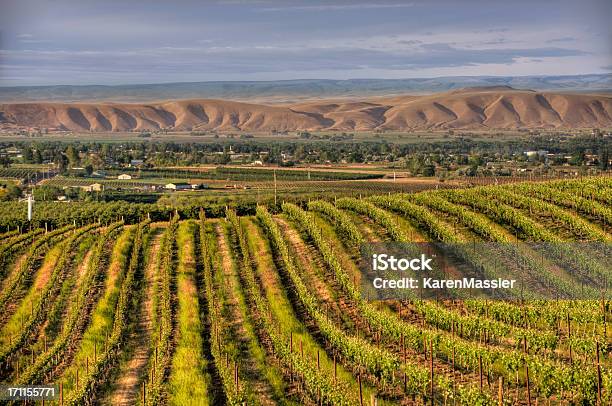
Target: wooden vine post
(360,390)
(335,369)
(569,337)
(480,369)
(599,383)
(528,384)
(431,370)
(236,375)
(603,311)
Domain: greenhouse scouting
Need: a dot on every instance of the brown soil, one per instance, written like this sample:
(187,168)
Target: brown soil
(303,257)
(270,281)
(41,271)
(251,370)
(13,269)
(127,387)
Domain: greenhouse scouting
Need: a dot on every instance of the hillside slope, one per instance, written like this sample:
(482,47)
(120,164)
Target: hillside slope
(473,108)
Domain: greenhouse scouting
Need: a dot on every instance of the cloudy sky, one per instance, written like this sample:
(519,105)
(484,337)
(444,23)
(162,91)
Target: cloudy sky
(137,41)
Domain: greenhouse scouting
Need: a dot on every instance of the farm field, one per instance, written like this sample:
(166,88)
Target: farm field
(404,137)
(235,179)
(167,304)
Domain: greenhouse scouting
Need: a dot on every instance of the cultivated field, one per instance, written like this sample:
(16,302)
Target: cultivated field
(262,305)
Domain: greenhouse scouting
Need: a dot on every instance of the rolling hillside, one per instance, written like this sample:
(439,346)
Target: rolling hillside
(498,107)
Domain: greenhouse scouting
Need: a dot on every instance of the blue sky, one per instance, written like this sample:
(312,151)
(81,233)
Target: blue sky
(137,41)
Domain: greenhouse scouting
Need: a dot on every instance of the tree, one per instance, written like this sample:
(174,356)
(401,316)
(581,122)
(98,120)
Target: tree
(73,156)
(46,192)
(61,161)
(604,159)
(10,192)
(577,158)
(27,155)
(5,161)
(475,160)
(96,161)
(106,151)
(356,156)
(429,170)
(38,159)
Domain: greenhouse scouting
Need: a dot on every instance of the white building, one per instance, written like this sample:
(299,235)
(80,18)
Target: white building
(94,187)
(178,186)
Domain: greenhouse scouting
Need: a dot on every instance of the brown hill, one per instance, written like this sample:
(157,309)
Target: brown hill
(473,108)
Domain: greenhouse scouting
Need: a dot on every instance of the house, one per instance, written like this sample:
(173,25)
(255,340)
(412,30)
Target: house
(136,162)
(178,186)
(538,153)
(94,187)
(124,176)
(98,174)
(237,157)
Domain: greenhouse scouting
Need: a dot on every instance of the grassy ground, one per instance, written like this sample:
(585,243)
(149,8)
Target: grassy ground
(283,311)
(188,383)
(32,297)
(272,379)
(102,317)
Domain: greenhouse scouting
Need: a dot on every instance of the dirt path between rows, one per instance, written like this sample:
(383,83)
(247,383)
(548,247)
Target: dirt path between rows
(259,385)
(12,268)
(303,256)
(39,274)
(127,387)
(70,272)
(342,312)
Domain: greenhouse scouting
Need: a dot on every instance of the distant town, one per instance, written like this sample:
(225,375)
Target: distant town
(81,170)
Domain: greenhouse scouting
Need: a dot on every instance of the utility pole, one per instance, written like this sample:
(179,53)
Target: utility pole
(30,204)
